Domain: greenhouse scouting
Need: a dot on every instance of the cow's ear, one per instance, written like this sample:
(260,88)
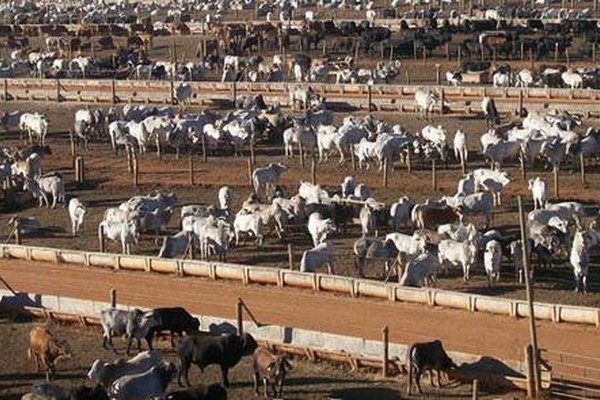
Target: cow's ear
(271,366)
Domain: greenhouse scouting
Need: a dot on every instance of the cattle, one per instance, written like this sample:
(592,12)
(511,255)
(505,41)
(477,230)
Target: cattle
(408,244)
(461,153)
(425,101)
(182,92)
(367,249)
(473,204)
(348,186)
(453,78)
(492,258)
(271,369)
(421,270)
(152,382)
(516,253)
(579,258)
(172,319)
(176,245)
(126,232)
(42,186)
(572,79)
(491,181)
(106,373)
(47,391)
(249,223)
(368,219)
(524,78)
(400,213)
(427,356)
(130,323)
(539,192)
(35,125)
(431,215)
(266,176)
(76,213)
(317,257)
(492,117)
(201,392)
(226,196)
(10,120)
(27,225)
(319,228)
(459,253)
(204,350)
(46,350)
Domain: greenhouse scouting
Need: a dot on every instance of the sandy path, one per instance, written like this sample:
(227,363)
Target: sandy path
(476,333)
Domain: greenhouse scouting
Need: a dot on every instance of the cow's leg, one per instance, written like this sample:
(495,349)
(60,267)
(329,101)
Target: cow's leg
(255,378)
(431,373)
(224,373)
(266,385)
(418,380)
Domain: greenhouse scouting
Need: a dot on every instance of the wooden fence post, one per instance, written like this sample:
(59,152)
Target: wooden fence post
(433,174)
(458,56)
(234,94)
(252,157)
(442,100)
(582,167)
(72,143)
(17,233)
(556,52)
(191,169)
(352,158)
(203,149)
(113,91)
(57,91)
(239,317)
(158,147)
(101,239)
(385,172)
(556,188)
(129,150)
(113,298)
(437,74)
(135,170)
(79,170)
(313,170)
(384,361)
(520,107)
(5,90)
(369,97)
(531,58)
(475,389)
(250,169)
(523,168)
(290,256)
(529,370)
(407,75)
(408,161)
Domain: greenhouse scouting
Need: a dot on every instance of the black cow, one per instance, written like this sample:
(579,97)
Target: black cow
(212,392)
(175,320)
(427,356)
(204,350)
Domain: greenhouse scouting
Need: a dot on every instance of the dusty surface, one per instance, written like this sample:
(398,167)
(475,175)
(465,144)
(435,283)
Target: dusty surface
(307,380)
(109,183)
(474,333)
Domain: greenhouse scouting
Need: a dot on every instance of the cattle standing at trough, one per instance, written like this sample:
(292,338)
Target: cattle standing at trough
(204,350)
(130,323)
(317,257)
(423,357)
(46,350)
(173,319)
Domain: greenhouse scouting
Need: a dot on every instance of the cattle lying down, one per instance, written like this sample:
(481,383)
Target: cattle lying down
(204,350)
(152,382)
(428,356)
(106,373)
(48,391)
(200,392)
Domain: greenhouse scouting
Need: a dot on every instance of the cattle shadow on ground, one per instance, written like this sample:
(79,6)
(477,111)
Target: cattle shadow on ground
(312,380)
(365,393)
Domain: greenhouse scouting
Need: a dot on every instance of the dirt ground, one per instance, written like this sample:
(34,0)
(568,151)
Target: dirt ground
(320,380)
(109,183)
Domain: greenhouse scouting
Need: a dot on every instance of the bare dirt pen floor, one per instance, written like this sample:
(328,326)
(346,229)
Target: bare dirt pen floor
(109,183)
(320,380)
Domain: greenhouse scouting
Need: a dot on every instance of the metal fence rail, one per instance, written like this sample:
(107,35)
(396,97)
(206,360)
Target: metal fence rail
(574,376)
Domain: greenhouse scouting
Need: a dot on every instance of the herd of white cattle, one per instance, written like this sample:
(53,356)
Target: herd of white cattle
(444,230)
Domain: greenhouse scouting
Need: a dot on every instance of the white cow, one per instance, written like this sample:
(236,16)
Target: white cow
(458,253)
(317,257)
(36,126)
(226,196)
(42,186)
(501,79)
(493,181)
(492,259)
(460,147)
(125,232)
(420,271)
(400,213)
(580,259)
(77,213)
(249,223)
(425,101)
(539,192)
(572,79)
(319,228)
(267,176)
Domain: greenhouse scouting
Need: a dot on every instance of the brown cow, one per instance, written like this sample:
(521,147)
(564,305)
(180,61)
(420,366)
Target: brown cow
(44,348)
(271,369)
(431,215)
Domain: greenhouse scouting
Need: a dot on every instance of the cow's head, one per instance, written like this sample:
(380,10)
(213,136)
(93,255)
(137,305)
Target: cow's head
(248,344)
